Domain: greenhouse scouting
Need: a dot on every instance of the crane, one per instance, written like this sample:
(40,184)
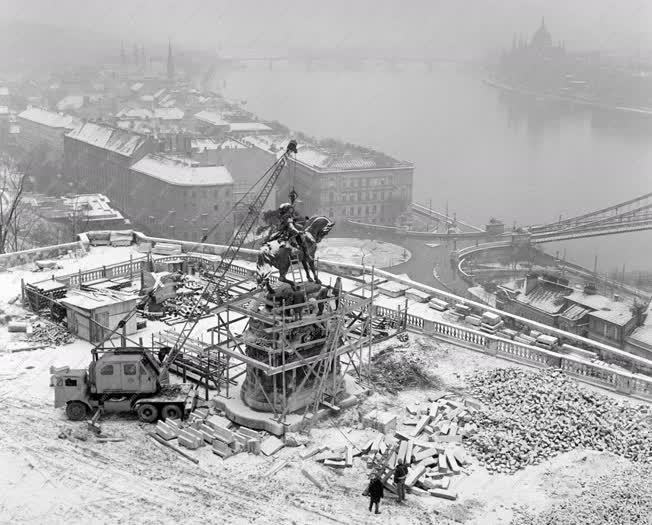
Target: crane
(125,378)
(211,289)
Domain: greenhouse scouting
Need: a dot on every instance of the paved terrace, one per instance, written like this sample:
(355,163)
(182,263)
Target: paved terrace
(106,261)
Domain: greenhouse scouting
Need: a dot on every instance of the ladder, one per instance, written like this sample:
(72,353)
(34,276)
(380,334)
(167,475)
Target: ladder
(326,366)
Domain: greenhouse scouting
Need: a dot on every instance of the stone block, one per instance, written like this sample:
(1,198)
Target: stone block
(222,449)
(223,435)
(349,456)
(414,473)
(427,453)
(197,434)
(452,463)
(443,493)
(421,425)
(417,491)
(253,446)
(312,451)
(218,421)
(173,423)
(271,445)
(166,431)
(335,463)
(443,465)
(402,449)
(189,440)
(409,452)
(251,434)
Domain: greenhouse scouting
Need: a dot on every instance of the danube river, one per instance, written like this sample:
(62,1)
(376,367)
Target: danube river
(479,151)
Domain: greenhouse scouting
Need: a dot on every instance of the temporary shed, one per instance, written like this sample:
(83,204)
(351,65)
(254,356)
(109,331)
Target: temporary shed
(91,314)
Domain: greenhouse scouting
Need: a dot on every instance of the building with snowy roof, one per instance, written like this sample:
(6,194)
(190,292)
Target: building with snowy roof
(97,159)
(179,197)
(342,181)
(39,127)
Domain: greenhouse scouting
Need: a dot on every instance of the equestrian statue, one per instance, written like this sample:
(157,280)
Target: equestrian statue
(292,239)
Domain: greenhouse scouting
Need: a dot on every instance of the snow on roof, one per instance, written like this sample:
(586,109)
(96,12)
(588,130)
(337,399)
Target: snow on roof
(575,312)
(617,313)
(109,138)
(605,308)
(135,113)
(168,113)
(49,118)
(147,98)
(4,91)
(211,117)
(248,127)
(544,298)
(643,335)
(92,300)
(324,160)
(70,102)
(137,86)
(4,110)
(203,144)
(182,171)
(159,93)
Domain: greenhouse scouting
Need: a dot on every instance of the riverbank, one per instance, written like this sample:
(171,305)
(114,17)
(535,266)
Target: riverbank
(647,112)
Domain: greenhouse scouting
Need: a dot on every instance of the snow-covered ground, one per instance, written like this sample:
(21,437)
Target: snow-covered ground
(363,251)
(75,479)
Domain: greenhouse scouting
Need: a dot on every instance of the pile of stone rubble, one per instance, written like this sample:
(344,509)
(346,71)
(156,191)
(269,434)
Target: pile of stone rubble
(531,416)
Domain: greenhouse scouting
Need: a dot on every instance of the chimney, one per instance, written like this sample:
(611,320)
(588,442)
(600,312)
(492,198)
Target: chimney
(531,282)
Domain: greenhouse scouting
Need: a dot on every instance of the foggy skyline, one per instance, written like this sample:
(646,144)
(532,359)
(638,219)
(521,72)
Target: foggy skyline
(469,29)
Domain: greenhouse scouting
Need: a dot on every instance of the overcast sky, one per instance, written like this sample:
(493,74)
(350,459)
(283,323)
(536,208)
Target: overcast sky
(469,26)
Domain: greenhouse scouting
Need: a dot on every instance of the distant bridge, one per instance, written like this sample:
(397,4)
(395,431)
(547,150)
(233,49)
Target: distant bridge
(629,216)
(349,62)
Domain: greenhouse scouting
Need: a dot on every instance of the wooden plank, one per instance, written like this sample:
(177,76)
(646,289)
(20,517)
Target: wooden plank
(172,447)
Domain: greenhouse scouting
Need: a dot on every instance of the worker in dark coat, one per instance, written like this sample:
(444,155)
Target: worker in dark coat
(376,492)
(400,473)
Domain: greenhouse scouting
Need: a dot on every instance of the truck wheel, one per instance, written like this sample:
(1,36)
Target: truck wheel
(171,412)
(76,410)
(147,413)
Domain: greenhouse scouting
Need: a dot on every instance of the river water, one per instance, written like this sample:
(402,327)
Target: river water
(478,151)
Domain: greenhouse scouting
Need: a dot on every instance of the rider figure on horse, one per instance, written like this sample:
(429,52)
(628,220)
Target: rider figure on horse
(289,231)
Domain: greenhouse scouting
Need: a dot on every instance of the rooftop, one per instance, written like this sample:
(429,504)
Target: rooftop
(547,299)
(605,308)
(248,127)
(182,172)
(113,139)
(332,156)
(70,102)
(210,117)
(49,118)
(92,300)
(168,113)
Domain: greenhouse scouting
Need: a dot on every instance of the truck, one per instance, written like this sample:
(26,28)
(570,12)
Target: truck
(122,379)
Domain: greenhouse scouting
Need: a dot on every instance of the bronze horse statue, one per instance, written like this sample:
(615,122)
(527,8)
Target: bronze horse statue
(279,255)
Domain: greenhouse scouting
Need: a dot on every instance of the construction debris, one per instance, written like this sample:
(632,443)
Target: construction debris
(394,369)
(49,334)
(537,415)
(624,498)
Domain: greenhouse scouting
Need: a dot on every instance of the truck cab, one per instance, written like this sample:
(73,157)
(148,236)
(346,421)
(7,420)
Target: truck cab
(121,380)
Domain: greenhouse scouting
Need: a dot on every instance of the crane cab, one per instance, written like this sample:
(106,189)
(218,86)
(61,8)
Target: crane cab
(123,371)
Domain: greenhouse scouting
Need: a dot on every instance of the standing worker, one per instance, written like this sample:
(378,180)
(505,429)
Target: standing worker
(376,491)
(400,473)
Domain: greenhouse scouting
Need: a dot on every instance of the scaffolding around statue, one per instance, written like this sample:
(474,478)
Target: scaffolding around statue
(298,345)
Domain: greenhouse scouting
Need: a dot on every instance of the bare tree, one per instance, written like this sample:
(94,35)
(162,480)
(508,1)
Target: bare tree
(12,187)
